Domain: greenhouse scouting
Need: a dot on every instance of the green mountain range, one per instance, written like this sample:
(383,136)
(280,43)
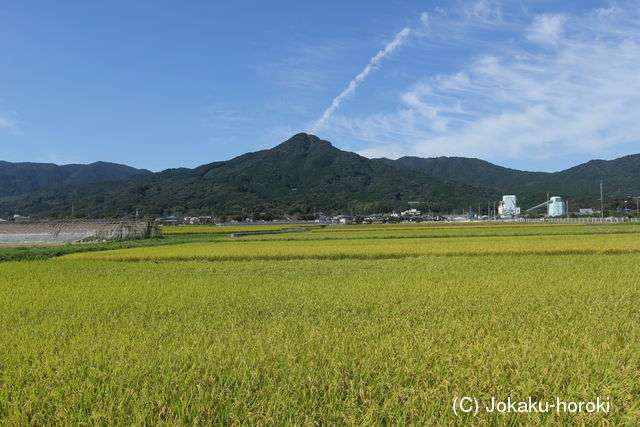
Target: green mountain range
(21,178)
(621,176)
(306,174)
(300,175)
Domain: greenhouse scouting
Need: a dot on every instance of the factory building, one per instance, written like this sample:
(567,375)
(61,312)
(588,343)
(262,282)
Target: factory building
(508,207)
(556,207)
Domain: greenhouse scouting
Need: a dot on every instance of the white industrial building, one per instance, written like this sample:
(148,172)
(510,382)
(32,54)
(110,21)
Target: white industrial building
(508,207)
(556,207)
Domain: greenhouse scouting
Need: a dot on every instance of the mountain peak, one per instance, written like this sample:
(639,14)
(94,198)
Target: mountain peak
(302,142)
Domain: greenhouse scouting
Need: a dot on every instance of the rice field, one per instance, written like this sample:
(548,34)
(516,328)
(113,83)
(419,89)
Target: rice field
(354,330)
(455,230)
(228,229)
(371,249)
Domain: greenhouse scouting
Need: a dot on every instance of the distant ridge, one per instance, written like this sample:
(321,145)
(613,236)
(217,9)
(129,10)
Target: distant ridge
(21,178)
(621,176)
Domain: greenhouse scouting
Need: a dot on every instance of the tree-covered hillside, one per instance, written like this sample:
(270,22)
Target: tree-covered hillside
(299,175)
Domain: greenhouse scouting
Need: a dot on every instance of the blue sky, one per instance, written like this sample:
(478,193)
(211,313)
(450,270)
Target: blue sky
(536,85)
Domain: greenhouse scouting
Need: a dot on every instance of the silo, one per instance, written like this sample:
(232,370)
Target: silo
(510,207)
(556,207)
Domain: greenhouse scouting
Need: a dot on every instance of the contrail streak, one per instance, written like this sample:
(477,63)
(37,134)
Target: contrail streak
(353,84)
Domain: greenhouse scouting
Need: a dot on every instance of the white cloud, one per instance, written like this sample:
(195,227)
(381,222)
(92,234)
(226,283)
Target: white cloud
(578,93)
(440,10)
(424,18)
(353,84)
(547,28)
(9,124)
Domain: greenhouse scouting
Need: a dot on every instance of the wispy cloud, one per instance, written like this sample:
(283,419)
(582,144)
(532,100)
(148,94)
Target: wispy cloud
(9,125)
(547,28)
(221,118)
(566,84)
(355,82)
(303,68)
(485,11)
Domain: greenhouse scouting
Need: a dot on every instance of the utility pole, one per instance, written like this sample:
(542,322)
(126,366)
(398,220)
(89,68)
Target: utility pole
(601,202)
(547,203)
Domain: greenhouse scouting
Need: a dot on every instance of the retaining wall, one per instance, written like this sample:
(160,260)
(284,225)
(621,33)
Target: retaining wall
(75,231)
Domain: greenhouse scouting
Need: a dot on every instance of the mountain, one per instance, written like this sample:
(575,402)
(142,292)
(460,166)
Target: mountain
(621,176)
(301,174)
(21,178)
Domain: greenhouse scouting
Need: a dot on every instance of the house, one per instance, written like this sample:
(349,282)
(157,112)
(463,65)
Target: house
(168,220)
(343,219)
(321,217)
(583,212)
(190,220)
(411,212)
(373,219)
